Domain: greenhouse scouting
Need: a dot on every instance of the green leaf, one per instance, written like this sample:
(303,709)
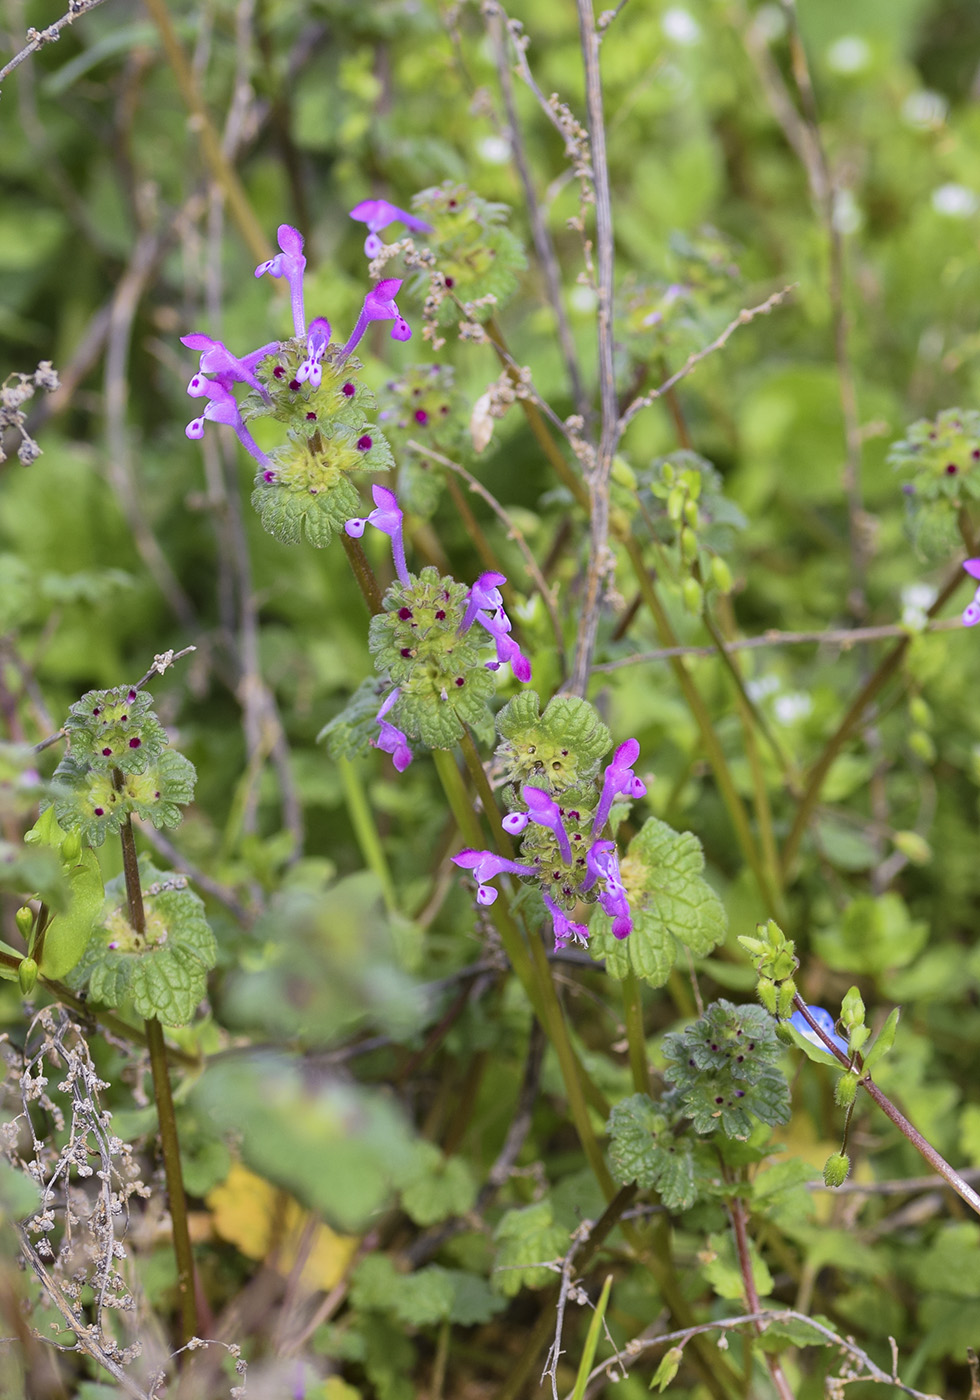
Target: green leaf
(794,1331)
(434,1187)
(671,902)
(720,1267)
(429,1295)
(875,934)
(884,1041)
(163,970)
(644,1149)
(726,1070)
(67,935)
(527,1238)
(557,750)
(669,1366)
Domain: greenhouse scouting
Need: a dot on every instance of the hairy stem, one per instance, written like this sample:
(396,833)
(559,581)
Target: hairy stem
(165,1104)
(363,573)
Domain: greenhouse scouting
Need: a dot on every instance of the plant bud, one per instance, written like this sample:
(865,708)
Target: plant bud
(693,595)
(920,713)
(836,1168)
(675,502)
(784,1033)
(721,574)
(845,1090)
(922,746)
(24,919)
(27,975)
(689,545)
(692,480)
(691,514)
(622,473)
(913,847)
(768,994)
(668,473)
(71,848)
(787,991)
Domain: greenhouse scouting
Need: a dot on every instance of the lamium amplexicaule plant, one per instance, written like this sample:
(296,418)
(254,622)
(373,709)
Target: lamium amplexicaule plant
(457,1038)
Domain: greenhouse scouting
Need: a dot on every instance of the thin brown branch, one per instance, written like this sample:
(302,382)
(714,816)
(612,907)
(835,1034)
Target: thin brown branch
(38,38)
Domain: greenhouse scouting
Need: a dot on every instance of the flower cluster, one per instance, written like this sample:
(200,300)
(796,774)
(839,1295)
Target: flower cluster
(428,646)
(566,853)
(309,386)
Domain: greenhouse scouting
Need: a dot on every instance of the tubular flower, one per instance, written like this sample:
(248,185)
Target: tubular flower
(291,264)
(391,739)
(541,809)
(378,214)
(602,864)
(971,613)
(486,865)
(317,340)
(386,517)
(826,1023)
(379,305)
(565,930)
(485,594)
(227,368)
(619,779)
(222,408)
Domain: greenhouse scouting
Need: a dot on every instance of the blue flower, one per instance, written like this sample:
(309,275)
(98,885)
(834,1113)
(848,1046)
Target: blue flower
(826,1023)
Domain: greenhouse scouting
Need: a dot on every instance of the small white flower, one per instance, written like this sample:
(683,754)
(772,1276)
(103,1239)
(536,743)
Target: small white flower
(680,26)
(849,54)
(762,686)
(955,201)
(796,704)
(495,150)
(925,110)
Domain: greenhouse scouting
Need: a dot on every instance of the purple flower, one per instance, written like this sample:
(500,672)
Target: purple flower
(565,929)
(485,593)
(391,739)
(618,779)
(486,865)
(379,305)
(602,863)
(826,1023)
(545,812)
(291,264)
(387,517)
(317,340)
(378,214)
(221,408)
(971,613)
(227,368)
(515,822)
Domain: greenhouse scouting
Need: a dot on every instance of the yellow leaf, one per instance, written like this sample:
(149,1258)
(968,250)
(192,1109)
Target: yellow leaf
(266,1223)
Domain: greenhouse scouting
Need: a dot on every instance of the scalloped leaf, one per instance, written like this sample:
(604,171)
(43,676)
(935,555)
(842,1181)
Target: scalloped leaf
(115,728)
(164,971)
(644,1149)
(526,1239)
(726,1071)
(350,732)
(292,516)
(671,902)
(559,749)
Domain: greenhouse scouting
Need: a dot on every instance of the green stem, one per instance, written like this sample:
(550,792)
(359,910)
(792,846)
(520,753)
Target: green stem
(867,694)
(481,782)
(363,573)
(365,830)
(709,737)
(633,1016)
(166,1116)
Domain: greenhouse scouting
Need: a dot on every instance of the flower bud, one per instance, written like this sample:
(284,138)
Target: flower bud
(693,595)
(922,746)
(675,502)
(27,975)
(913,847)
(920,713)
(71,848)
(689,544)
(721,574)
(691,514)
(845,1090)
(24,918)
(667,472)
(784,1005)
(768,994)
(836,1168)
